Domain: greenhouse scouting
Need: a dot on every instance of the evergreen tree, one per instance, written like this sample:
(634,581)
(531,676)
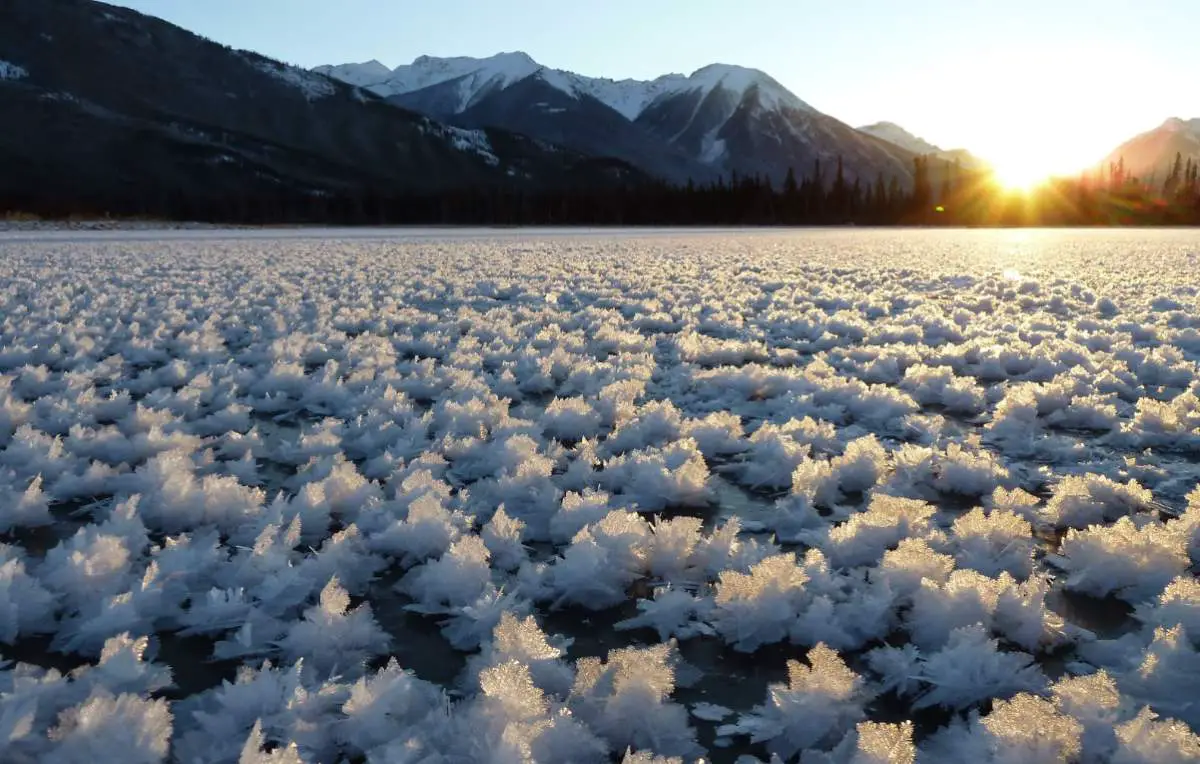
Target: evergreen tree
(879,212)
(922,194)
(895,197)
(1174,177)
(816,195)
(790,212)
(789,182)
(838,194)
(949,183)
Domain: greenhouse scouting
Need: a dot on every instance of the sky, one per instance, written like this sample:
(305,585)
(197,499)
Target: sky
(1036,86)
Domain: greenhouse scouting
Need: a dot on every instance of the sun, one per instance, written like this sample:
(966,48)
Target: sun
(1010,109)
(1020,174)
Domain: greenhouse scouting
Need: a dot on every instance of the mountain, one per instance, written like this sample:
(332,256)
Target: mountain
(897,135)
(519,96)
(741,120)
(474,78)
(1153,152)
(719,120)
(103,103)
(893,133)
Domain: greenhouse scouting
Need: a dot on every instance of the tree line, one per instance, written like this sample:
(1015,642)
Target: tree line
(938,193)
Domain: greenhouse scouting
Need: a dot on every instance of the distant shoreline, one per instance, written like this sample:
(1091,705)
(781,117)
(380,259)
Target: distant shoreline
(103,224)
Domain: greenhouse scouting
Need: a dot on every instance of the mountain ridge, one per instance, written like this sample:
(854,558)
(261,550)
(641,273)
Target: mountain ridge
(103,102)
(628,96)
(894,133)
(720,120)
(1152,153)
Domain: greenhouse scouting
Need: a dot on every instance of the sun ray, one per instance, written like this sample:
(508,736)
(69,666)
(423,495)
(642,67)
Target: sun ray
(1020,176)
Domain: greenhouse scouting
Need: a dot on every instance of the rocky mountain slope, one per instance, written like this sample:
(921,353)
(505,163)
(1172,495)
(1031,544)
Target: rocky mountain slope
(1153,152)
(719,120)
(895,134)
(103,102)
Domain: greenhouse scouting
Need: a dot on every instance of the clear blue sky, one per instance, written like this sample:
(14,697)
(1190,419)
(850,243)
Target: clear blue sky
(1065,80)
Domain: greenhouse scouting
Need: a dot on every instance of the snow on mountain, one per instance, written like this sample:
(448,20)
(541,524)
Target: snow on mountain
(500,70)
(11,71)
(628,97)
(138,118)
(739,79)
(476,76)
(311,85)
(718,120)
(896,135)
(365,75)
(471,141)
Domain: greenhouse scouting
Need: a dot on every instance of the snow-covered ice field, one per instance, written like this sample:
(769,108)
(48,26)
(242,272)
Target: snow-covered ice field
(844,497)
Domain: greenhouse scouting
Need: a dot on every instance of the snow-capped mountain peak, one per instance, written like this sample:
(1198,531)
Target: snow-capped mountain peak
(629,97)
(476,75)
(508,67)
(510,59)
(898,136)
(719,119)
(364,75)
(739,79)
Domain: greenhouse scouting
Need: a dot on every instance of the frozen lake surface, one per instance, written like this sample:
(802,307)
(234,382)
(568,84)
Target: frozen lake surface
(449,495)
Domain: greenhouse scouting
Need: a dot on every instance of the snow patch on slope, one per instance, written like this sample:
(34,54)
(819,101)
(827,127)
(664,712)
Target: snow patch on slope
(628,97)
(561,81)
(469,141)
(365,75)
(739,79)
(313,86)
(478,75)
(712,148)
(9,71)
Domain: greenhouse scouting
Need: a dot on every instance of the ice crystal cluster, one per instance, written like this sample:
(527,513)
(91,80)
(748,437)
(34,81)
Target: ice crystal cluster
(277,497)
